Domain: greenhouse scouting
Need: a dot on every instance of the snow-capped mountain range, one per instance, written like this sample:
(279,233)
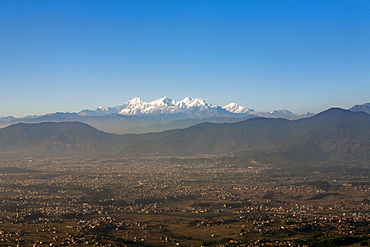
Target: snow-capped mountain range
(138,116)
(194,107)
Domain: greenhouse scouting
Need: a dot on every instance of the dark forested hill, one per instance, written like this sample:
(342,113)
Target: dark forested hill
(335,130)
(332,133)
(54,139)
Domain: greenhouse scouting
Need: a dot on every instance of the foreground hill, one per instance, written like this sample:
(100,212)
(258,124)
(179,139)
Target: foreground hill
(54,139)
(335,133)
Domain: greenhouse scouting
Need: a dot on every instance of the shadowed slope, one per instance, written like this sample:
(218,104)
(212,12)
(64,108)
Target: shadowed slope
(333,133)
(55,138)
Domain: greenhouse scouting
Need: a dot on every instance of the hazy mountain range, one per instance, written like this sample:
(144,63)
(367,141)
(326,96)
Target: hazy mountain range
(138,116)
(364,107)
(330,135)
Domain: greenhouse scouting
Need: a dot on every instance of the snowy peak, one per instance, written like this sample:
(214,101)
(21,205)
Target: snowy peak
(164,105)
(186,100)
(201,103)
(182,104)
(165,101)
(238,109)
(103,108)
(134,102)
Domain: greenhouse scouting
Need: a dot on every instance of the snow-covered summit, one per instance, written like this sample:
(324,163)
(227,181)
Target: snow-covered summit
(196,107)
(238,109)
(103,108)
(164,101)
(163,105)
(136,101)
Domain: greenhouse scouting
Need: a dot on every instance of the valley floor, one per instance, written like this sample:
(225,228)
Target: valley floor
(189,201)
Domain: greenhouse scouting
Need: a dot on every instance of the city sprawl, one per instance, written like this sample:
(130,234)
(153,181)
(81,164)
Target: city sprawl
(187,201)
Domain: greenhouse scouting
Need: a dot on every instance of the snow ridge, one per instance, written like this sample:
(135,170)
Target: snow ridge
(235,108)
(196,107)
(164,105)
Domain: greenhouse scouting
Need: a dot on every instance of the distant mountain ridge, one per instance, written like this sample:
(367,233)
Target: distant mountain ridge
(165,105)
(192,107)
(332,134)
(138,116)
(364,108)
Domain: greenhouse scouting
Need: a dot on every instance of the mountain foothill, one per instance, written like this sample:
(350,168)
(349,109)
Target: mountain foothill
(332,135)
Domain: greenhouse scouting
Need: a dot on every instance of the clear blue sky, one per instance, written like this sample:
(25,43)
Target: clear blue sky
(73,55)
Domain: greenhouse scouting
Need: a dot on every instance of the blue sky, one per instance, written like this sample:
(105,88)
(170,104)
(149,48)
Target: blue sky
(72,55)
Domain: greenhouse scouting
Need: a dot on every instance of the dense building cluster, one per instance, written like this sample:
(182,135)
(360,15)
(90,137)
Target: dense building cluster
(178,201)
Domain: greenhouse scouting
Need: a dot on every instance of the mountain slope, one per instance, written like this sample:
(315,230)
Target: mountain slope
(336,131)
(55,138)
(335,134)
